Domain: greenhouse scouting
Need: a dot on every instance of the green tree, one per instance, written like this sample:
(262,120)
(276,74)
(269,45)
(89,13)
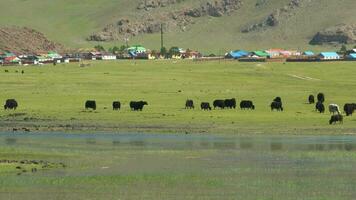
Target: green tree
(123,47)
(343,49)
(163,51)
(174,51)
(99,48)
(115,49)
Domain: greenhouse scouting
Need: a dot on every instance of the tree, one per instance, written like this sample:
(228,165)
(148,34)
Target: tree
(123,47)
(115,49)
(99,48)
(163,51)
(343,49)
(174,51)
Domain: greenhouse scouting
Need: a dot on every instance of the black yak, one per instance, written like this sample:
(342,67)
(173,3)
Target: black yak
(137,105)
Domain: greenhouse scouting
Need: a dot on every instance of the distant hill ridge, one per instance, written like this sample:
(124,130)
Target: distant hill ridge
(25,40)
(211,26)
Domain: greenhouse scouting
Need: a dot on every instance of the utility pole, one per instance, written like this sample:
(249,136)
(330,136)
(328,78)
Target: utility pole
(162,45)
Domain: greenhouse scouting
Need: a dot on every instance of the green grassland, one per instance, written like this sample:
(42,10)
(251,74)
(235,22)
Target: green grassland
(71,21)
(51,98)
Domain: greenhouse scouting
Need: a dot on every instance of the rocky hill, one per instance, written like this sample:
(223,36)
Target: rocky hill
(342,33)
(151,20)
(211,26)
(25,40)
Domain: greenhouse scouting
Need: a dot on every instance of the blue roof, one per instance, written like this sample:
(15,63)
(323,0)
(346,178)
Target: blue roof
(329,54)
(238,53)
(308,53)
(352,55)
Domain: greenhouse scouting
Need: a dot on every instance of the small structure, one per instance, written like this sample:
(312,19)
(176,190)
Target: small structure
(108,56)
(94,55)
(259,54)
(351,56)
(237,54)
(136,49)
(274,52)
(308,53)
(329,56)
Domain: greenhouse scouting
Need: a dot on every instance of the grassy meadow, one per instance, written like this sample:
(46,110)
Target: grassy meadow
(51,98)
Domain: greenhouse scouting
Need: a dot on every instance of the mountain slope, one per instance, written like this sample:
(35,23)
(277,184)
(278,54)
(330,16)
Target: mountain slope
(71,22)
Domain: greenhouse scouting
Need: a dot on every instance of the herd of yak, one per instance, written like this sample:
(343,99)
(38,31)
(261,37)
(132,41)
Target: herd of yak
(276,104)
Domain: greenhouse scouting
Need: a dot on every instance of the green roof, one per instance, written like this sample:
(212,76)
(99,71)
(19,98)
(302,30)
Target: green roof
(136,48)
(261,53)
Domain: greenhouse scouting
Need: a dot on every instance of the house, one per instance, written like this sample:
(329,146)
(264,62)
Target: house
(274,52)
(308,53)
(190,54)
(237,54)
(28,59)
(153,55)
(108,56)
(136,49)
(94,55)
(259,54)
(10,58)
(54,55)
(329,56)
(351,56)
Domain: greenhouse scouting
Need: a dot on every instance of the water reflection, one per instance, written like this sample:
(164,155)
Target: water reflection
(10,141)
(276,146)
(90,141)
(224,145)
(176,142)
(246,144)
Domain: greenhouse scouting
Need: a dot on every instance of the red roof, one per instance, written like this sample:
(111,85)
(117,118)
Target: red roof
(10,58)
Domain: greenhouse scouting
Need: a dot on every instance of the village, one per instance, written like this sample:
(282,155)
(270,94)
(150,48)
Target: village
(140,52)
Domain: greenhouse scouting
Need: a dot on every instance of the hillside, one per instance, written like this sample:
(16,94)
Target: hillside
(25,40)
(210,26)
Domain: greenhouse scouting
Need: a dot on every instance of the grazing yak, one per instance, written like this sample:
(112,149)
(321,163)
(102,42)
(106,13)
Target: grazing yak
(349,108)
(230,103)
(319,106)
(321,97)
(116,105)
(278,99)
(189,104)
(219,103)
(10,104)
(336,118)
(311,99)
(247,104)
(90,104)
(137,105)
(275,105)
(334,108)
(205,106)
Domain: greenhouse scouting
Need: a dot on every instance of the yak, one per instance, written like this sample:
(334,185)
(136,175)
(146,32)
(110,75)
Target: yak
(189,104)
(11,104)
(116,105)
(90,104)
(137,105)
(247,104)
(205,106)
(219,103)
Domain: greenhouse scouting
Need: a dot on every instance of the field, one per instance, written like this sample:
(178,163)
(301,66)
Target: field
(51,98)
(156,166)
(71,21)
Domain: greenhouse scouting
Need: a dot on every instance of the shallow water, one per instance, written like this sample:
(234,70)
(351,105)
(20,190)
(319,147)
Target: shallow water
(182,166)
